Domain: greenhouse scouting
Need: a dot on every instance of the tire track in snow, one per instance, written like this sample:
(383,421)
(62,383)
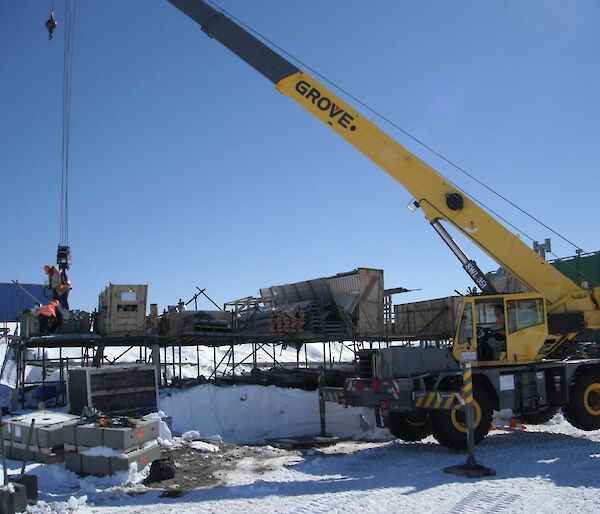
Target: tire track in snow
(482,501)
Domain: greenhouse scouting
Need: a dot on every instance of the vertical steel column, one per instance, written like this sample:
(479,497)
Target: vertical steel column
(198,359)
(43,374)
(180,361)
(215,361)
(233,360)
(321,383)
(61,376)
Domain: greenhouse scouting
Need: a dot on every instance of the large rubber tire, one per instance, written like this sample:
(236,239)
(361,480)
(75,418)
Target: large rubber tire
(449,426)
(583,409)
(411,426)
(540,417)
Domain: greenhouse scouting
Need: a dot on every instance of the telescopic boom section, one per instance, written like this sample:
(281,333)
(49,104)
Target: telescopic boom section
(439,199)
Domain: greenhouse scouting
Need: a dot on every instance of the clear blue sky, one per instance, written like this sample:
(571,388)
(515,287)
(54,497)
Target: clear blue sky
(188,168)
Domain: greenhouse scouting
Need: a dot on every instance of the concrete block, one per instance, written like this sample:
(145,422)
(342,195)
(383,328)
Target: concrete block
(48,432)
(46,456)
(108,465)
(29,481)
(13,498)
(118,438)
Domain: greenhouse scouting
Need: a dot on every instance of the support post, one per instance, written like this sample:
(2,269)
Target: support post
(470,469)
(321,383)
(156,361)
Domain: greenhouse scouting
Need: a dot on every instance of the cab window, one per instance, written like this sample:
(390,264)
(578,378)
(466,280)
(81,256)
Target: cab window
(524,313)
(465,333)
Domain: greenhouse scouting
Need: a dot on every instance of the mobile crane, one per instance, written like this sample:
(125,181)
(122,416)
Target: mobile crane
(414,389)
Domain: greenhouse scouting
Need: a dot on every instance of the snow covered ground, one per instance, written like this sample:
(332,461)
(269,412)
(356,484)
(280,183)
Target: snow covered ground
(547,468)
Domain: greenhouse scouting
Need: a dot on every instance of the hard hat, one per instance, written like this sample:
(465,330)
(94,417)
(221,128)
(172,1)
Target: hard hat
(47,268)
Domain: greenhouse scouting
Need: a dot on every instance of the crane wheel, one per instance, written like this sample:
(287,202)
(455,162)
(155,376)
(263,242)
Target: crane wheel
(409,426)
(540,417)
(449,427)
(583,409)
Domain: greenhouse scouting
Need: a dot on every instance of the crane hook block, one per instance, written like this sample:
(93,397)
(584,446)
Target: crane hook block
(63,257)
(51,24)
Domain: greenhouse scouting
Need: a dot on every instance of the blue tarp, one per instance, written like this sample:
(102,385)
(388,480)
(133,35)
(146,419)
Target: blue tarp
(13,300)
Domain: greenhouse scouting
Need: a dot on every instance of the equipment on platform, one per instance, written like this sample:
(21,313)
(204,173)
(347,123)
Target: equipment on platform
(122,309)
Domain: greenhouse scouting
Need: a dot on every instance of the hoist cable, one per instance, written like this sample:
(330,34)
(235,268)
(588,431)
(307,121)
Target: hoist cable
(409,135)
(66,119)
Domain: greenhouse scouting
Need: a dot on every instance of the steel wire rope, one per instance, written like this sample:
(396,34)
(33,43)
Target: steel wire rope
(414,138)
(66,119)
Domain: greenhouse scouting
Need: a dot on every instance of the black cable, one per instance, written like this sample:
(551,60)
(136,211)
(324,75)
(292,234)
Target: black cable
(406,133)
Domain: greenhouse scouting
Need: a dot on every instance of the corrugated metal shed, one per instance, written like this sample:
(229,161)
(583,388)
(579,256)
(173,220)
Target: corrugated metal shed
(13,300)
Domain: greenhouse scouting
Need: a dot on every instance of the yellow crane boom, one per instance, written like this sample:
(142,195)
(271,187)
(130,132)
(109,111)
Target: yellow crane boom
(439,199)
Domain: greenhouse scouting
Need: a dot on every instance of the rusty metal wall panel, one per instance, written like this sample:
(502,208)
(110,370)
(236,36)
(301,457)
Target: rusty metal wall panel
(367,285)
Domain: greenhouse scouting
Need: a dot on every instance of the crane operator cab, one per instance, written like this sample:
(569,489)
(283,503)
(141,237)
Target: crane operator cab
(500,329)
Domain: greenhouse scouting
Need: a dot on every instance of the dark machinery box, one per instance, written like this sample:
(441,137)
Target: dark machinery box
(130,390)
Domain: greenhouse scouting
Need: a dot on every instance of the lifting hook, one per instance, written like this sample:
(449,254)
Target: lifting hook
(51,24)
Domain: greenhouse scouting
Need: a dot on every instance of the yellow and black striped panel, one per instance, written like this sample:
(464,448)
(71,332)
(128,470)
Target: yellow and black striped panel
(436,400)
(468,385)
(332,394)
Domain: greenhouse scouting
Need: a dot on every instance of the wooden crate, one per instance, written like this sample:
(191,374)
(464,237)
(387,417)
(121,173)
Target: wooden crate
(122,309)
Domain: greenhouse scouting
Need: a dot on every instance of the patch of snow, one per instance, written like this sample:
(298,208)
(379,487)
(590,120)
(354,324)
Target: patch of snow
(73,504)
(204,447)
(164,432)
(103,451)
(191,435)
(254,414)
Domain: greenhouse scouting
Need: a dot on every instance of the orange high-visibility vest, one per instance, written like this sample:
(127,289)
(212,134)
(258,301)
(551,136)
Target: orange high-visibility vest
(47,310)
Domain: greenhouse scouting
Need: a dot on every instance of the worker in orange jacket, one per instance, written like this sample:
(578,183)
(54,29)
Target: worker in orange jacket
(60,285)
(50,318)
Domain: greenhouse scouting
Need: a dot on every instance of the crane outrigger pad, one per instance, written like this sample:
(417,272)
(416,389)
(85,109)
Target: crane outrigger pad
(470,469)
